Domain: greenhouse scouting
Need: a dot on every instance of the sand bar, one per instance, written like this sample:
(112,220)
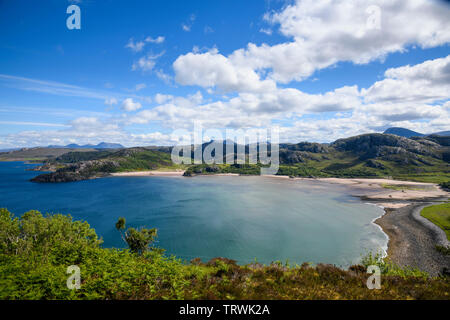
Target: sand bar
(148,173)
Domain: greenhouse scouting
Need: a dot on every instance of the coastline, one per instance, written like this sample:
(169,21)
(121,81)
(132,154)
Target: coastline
(176,173)
(412,238)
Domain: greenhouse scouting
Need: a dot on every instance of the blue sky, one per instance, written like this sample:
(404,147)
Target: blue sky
(137,70)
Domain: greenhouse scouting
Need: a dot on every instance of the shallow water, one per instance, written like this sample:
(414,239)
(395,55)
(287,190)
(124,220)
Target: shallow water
(242,218)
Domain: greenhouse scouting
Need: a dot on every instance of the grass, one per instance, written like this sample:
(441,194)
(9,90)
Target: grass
(440,215)
(444,250)
(400,187)
(431,177)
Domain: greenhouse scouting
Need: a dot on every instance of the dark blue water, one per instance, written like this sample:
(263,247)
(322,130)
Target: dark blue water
(242,218)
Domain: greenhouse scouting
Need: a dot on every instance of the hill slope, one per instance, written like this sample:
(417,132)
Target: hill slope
(76,166)
(369,155)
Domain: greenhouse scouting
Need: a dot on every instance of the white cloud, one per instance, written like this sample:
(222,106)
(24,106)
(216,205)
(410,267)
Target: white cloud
(422,83)
(324,32)
(156,40)
(28,123)
(161,98)
(129,105)
(135,46)
(166,78)
(51,87)
(351,111)
(111,101)
(211,69)
(146,63)
(266,31)
(153,138)
(188,25)
(140,86)
(319,34)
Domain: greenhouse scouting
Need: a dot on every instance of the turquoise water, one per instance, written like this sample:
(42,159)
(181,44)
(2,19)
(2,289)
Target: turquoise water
(241,218)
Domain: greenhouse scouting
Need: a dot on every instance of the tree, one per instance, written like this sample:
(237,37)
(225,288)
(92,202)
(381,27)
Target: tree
(138,240)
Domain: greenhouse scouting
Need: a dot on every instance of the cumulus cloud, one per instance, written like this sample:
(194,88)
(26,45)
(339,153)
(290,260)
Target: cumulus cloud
(129,105)
(322,33)
(422,83)
(319,34)
(211,69)
(418,100)
(161,98)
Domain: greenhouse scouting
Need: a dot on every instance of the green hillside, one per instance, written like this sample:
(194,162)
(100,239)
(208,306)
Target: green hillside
(75,166)
(423,159)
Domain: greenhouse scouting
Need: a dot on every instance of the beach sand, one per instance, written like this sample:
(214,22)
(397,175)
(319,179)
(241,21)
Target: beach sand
(372,190)
(148,173)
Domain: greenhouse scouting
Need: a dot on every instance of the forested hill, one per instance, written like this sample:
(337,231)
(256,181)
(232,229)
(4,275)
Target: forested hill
(369,155)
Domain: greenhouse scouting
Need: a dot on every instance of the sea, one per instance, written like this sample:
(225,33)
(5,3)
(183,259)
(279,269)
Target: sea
(244,218)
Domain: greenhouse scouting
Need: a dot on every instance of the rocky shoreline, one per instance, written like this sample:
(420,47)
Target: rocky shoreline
(413,239)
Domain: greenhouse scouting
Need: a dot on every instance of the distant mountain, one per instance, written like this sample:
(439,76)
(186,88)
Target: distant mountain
(442,133)
(101,145)
(402,132)
(9,150)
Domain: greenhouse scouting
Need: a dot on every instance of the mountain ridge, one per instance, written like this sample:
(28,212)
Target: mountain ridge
(407,133)
(101,145)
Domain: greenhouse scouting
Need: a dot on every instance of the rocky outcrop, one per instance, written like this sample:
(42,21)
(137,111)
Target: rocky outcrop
(79,171)
(380,145)
(56,177)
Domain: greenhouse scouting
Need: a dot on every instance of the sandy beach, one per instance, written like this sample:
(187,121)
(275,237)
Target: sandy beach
(177,173)
(384,192)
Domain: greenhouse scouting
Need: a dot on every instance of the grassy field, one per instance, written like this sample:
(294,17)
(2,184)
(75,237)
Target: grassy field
(439,215)
(400,187)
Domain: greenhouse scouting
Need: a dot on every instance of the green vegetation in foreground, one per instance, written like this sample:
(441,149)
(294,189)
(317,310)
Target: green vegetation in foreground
(35,251)
(440,215)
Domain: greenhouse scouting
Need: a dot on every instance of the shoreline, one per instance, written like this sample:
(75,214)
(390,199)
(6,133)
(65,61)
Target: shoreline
(149,173)
(370,190)
(412,238)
